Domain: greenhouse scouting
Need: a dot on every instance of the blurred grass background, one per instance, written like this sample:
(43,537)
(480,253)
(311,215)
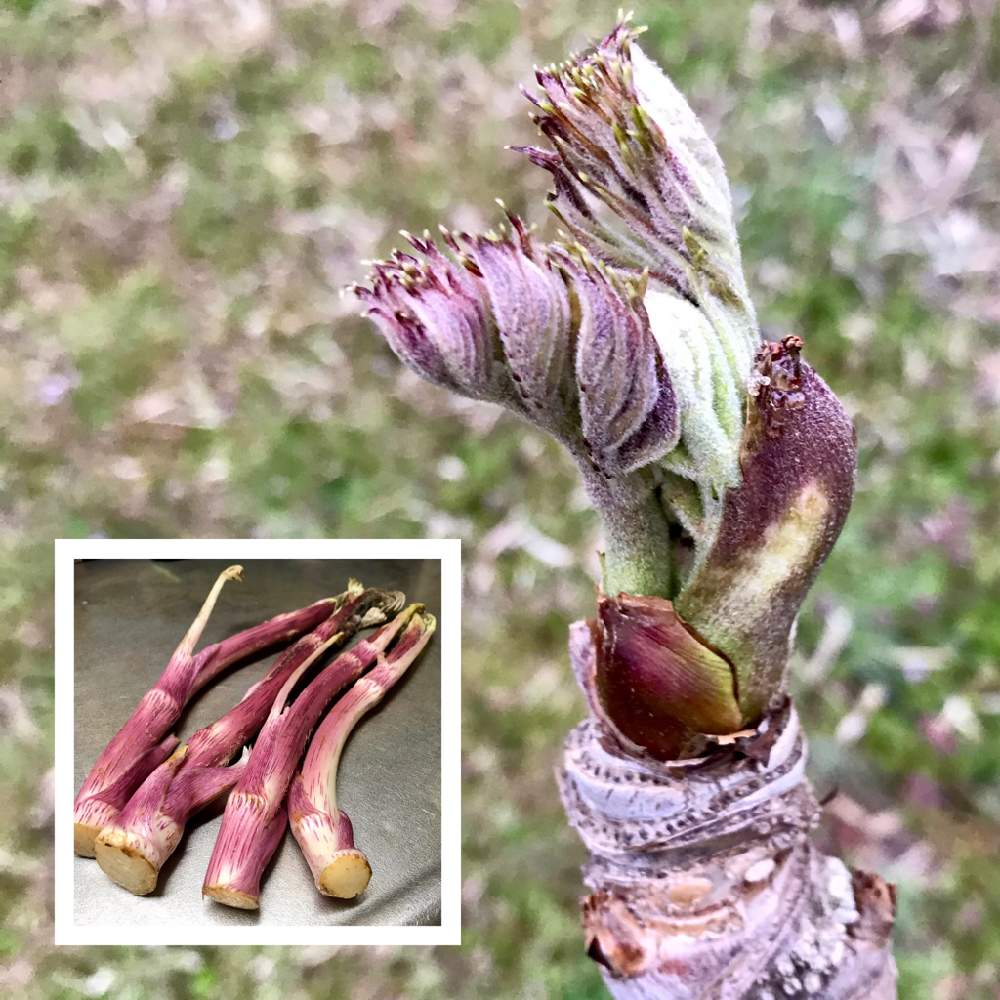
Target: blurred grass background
(184,188)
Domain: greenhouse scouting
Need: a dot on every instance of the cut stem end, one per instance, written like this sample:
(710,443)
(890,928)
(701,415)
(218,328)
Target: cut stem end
(346,876)
(84,838)
(231,897)
(127,866)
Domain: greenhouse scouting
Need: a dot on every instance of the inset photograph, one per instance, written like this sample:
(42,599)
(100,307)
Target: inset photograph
(256,748)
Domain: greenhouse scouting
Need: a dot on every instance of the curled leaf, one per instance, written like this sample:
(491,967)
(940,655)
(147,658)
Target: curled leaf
(628,411)
(546,331)
(436,318)
(710,393)
(637,179)
(531,310)
(641,187)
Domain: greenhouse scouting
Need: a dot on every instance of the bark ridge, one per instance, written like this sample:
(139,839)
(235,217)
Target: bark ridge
(705,883)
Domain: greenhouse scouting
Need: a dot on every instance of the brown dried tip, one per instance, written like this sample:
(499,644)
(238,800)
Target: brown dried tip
(876,902)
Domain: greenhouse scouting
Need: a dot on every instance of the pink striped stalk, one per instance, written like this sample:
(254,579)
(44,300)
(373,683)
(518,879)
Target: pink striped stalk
(133,848)
(143,743)
(254,821)
(325,833)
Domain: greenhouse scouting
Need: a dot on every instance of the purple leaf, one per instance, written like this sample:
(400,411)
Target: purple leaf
(628,411)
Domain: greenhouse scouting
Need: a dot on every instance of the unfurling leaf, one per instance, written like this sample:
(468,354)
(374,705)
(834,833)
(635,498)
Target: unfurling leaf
(627,142)
(531,308)
(548,332)
(628,411)
(436,318)
(640,185)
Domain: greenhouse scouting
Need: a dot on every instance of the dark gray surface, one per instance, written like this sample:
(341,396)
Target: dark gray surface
(129,616)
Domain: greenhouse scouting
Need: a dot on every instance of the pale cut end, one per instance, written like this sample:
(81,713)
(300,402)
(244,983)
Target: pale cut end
(346,876)
(231,897)
(84,837)
(127,867)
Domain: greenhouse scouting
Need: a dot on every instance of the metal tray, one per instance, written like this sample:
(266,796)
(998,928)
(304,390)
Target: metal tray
(129,616)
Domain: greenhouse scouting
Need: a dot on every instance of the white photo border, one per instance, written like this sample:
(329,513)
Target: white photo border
(448,551)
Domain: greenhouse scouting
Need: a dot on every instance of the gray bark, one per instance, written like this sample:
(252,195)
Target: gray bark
(705,883)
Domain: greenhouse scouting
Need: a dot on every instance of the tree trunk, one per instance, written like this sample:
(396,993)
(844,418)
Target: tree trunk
(704,879)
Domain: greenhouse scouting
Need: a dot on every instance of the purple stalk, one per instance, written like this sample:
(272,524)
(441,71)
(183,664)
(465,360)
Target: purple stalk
(254,820)
(142,744)
(325,833)
(133,848)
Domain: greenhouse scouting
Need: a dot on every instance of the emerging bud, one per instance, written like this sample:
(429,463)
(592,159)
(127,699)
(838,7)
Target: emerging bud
(644,385)
(723,471)
(641,186)
(625,137)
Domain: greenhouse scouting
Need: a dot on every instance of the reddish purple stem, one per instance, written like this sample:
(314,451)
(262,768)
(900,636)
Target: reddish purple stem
(150,826)
(324,832)
(247,839)
(139,746)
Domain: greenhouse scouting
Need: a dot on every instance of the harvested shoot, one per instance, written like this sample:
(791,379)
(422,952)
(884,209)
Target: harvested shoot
(133,848)
(325,833)
(722,467)
(255,817)
(143,743)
